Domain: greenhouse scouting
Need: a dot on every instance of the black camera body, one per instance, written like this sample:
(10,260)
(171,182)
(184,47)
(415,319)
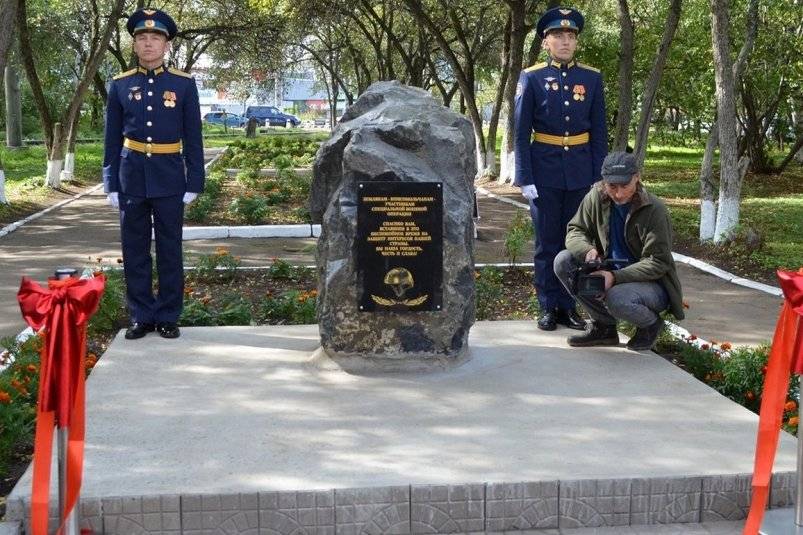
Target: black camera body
(585,284)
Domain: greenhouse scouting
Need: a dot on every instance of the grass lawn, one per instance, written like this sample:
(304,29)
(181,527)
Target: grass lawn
(772,205)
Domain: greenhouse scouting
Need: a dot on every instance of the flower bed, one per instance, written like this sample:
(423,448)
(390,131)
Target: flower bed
(251,198)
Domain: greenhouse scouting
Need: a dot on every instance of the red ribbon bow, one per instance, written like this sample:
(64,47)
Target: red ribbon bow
(786,356)
(63,309)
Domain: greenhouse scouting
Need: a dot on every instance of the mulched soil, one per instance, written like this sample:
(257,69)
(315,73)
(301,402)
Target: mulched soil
(37,201)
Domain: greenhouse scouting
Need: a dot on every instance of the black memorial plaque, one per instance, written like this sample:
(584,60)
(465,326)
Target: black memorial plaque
(400,246)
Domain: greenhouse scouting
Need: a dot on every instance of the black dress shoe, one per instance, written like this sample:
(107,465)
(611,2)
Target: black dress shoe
(138,330)
(571,319)
(548,321)
(168,330)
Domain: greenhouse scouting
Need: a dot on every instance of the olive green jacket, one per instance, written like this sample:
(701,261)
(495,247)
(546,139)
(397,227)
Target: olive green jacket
(648,233)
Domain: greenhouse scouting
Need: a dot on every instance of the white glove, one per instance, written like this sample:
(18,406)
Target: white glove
(529,192)
(189,197)
(113,199)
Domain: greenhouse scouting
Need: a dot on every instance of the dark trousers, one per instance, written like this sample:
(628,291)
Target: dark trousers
(551,212)
(139,218)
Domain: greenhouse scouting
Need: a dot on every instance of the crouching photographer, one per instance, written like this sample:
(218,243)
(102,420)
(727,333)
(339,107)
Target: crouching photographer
(618,258)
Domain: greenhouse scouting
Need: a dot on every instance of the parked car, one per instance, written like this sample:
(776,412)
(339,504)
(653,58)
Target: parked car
(232,119)
(272,116)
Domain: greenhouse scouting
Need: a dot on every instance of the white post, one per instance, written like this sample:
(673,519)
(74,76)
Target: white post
(69,167)
(3,199)
(53,178)
(708,220)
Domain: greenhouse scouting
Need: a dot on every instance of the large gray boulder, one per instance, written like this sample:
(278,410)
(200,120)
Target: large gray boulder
(394,133)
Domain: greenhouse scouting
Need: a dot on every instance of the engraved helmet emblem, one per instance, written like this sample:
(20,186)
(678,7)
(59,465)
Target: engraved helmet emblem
(400,279)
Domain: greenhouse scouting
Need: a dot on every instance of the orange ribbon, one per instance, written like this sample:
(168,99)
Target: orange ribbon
(63,309)
(786,356)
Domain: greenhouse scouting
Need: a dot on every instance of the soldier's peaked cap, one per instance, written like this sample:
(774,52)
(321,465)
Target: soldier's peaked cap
(151,20)
(560,18)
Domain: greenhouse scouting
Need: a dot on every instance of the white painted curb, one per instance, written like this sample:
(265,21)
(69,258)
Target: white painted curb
(8,229)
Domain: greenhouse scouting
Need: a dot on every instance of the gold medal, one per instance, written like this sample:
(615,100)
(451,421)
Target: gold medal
(576,96)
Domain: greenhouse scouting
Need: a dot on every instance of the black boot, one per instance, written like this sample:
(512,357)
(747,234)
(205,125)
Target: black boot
(571,319)
(645,337)
(597,334)
(548,320)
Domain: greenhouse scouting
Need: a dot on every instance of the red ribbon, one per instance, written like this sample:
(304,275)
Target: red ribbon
(63,309)
(786,356)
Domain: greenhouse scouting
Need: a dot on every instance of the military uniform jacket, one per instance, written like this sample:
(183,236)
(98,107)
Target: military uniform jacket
(159,106)
(560,100)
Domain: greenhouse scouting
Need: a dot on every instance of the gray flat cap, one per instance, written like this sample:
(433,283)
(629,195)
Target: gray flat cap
(619,167)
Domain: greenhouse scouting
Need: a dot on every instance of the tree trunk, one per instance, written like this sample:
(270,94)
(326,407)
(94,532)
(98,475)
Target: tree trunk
(33,77)
(708,207)
(654,80)
(518,35)
(730,183)
(13,108)
(708,211)
(55,157)
(8,14)
(797,148)
(624,112)
(67,174)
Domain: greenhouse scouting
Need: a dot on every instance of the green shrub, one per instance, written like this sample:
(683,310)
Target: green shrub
(234,310)
(19,387)
(252,209)
(519,234)
(196,312)
(221,265)
(293,307)
(488,284)
(111,310)
(280,269)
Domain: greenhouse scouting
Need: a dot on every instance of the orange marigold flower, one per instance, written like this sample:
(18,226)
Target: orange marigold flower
(705,347)
(90,362)
(749,395)
(313,293)
(685,304)
(726,346)
(32,368)
(790,406)
(5,397)
(794,420)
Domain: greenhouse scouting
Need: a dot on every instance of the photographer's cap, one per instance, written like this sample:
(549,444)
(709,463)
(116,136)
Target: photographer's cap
(619,167)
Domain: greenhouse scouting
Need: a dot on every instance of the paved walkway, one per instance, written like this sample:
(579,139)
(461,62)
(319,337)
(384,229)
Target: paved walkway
(82,231)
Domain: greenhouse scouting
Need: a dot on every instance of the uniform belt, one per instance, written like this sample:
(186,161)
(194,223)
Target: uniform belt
(153,148)
(549,139)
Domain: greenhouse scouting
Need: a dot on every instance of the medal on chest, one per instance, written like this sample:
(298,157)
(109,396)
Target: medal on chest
(579,91)
(169,99)
(550,83)
(134,93)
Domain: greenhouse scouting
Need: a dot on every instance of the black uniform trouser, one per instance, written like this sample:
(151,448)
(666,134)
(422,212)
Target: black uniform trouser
(139,218)
(551,212)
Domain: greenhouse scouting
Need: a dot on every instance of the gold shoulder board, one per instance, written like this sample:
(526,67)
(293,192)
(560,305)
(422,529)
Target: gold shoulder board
(177,72)
(126,73)
(589,67)
(536,66)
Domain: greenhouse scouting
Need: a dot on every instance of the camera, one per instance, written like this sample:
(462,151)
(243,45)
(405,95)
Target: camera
(585,284)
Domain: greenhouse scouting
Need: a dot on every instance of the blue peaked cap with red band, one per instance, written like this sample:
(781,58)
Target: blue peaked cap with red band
(151,20)
(560,18)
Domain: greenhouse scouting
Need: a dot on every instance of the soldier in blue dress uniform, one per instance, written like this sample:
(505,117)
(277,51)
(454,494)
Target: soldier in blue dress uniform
(561,140)
(153,165)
